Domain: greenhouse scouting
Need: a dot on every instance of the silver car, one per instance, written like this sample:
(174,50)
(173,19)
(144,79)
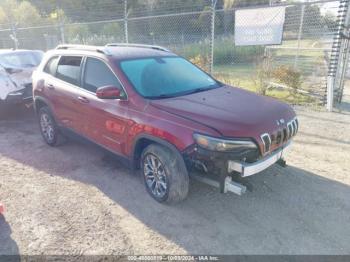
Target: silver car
(16,68)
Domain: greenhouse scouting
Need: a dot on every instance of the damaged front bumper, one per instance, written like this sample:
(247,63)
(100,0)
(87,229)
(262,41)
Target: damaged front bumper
(23,95)
(248,169)
(225,170)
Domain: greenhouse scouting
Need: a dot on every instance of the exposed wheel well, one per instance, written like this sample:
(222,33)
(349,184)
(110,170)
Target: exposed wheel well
(141,144)
(146,140)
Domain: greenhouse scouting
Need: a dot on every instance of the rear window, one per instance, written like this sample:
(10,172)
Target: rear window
(51,66)
(68,69)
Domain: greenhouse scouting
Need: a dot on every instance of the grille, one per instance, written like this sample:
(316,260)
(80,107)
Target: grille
(266,141)
(281,136)
(285,134)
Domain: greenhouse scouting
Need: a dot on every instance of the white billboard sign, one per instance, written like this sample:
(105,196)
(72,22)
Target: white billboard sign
(261,26)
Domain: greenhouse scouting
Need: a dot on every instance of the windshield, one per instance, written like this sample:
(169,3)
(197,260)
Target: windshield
(21,59)
(163,77)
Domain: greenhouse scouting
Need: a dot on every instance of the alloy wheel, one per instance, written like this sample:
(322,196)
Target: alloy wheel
(155,176)
(47,127)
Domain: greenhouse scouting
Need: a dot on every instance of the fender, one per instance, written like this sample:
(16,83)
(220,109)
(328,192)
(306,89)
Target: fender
(46,102)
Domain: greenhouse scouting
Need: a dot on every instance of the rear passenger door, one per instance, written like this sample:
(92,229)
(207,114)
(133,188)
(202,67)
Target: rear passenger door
(64,91)
(105,119)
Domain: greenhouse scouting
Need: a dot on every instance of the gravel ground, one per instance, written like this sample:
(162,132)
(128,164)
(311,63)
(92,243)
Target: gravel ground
(75,199)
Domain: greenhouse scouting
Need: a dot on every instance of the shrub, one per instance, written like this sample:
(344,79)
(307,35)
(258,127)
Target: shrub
(264,75)
(288,76)
(201,61)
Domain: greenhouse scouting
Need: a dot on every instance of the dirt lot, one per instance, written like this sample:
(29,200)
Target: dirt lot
(75,200)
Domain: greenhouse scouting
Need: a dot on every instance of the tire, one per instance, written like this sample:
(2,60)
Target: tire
(170,182)
(48,127)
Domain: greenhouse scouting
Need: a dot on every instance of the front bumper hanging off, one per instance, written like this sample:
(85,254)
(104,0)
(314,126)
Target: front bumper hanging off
(226,184)
(248,169)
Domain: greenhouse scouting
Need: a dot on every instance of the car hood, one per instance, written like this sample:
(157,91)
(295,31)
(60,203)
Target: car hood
(23,76)
(232,112)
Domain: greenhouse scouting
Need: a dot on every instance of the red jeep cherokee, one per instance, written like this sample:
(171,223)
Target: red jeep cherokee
(162,114)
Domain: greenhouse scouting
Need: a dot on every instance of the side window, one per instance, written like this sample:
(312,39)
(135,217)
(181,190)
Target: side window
(51,66)
(68,69)
(98,74)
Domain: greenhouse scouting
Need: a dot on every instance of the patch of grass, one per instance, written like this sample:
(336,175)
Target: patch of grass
(303,43)
(251,84)
(302,53)
(246,83)
(238,70)
(290,97)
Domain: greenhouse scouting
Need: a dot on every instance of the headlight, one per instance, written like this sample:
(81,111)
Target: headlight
(223,145)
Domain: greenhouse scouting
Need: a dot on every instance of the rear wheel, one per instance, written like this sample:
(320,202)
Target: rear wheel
(48,127)
(164,173)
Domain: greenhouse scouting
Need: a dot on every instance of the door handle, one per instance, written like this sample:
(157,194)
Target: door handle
(83,99)
(50,86)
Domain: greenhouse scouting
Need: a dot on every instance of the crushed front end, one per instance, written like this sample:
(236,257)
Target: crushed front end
(224,160)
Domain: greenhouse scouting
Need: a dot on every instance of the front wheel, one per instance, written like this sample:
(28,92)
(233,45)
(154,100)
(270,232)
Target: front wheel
(164,173)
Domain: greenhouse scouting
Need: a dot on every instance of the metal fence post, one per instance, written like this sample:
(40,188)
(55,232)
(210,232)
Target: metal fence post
(330,93)
(345,46)
(63,38)
(14,36)
(212,39)
(300,32)
(339,57)
(344,69)
(126,34)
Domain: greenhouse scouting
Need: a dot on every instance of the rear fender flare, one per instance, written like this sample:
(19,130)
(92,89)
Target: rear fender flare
(38,99)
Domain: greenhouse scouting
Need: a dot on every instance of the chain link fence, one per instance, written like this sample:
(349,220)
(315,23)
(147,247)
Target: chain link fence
(295,71)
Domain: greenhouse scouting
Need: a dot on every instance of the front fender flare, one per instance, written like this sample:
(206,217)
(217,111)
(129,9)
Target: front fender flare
(156,140)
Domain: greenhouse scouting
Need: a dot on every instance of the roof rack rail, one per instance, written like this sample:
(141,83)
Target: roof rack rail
(156,47)
(82,47)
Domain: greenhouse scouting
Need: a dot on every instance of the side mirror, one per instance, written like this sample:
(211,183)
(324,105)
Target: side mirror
(108,92)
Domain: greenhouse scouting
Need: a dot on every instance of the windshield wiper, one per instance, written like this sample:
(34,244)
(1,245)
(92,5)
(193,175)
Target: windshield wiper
(193,91)
(201,89)
(161,96)
(197,90)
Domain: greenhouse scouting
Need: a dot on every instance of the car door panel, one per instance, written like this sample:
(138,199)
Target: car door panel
(64,90)
(106,120)
(106,123)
